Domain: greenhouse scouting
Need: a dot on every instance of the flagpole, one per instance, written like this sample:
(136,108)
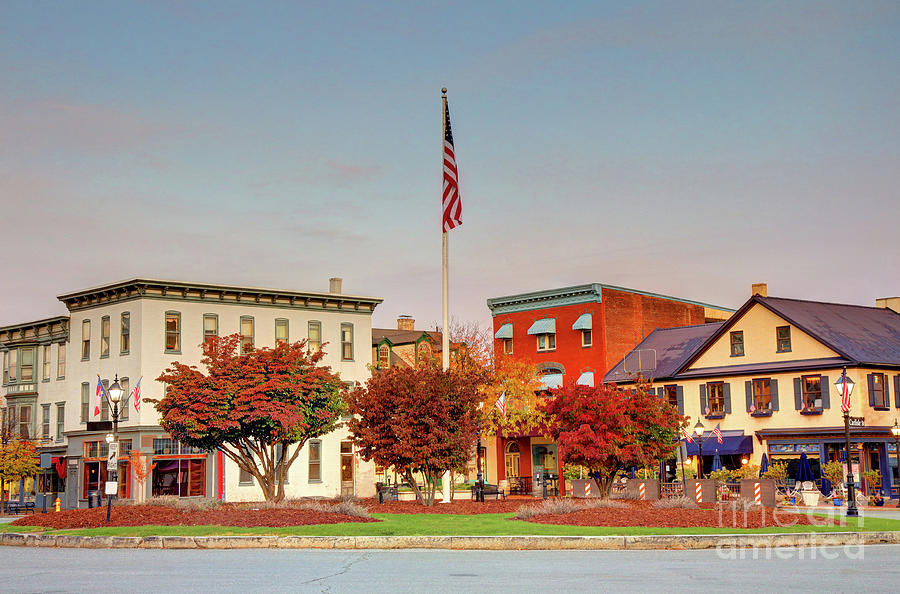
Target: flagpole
(445,292)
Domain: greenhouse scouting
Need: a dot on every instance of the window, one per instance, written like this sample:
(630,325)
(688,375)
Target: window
(5,367)
(737,344)
(45,362)
(783,339)
(281,332)
(716,399)
(384,356)
(210,326)
(315,337)
(13,365)
(125,334)
(586,338)
(104,337)
(812,391)
(546,342)
(173,332)
(424,351)
(762,395)
(878,396)
(246,333)
(85,401)
(85,340)
(60,360)
(60,421)
(315,460)
(124,404)
(104,402)
(672,395)
(25,421)
(179,478)
(26,371)
(45,421)
(346,342)
(508,346)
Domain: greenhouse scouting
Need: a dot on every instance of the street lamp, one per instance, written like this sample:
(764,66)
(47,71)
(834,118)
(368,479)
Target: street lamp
(479,477)
(896,431)
(698,431)
(115,392)
(844,387)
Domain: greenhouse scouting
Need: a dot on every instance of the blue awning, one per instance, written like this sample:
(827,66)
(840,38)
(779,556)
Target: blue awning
(505,331)
(586,379)
(544,326)
(733,442)
(582,323)
(551,380)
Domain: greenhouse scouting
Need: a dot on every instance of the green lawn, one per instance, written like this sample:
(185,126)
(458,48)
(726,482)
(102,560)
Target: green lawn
(449,525)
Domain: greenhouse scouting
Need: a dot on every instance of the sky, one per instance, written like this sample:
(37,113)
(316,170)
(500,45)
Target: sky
(685,148)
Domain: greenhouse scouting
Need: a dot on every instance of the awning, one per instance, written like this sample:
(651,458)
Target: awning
(733,442)
(582,323)
(505,331)
(551,380)
(544,326)
(586,379)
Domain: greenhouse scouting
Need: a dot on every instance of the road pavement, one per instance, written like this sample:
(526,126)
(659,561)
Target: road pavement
(823,569)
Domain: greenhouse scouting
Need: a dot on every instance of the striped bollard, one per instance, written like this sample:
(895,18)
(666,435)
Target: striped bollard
(699,492)
(643,490)
(757,493)
(587,489)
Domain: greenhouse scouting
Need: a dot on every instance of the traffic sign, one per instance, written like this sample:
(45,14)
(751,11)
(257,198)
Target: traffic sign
(112,456)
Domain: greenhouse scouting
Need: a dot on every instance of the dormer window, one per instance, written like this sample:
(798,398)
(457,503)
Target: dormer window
(384,356)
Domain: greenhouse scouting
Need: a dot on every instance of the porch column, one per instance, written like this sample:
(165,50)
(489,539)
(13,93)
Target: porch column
(885,465)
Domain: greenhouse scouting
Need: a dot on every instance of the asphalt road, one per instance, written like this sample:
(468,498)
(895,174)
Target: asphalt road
(826,569)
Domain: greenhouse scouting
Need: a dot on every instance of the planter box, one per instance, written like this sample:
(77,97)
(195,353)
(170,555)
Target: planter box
(579,488)
(810,498)
(837,502)
(707,492)
(633,489)
(766,491)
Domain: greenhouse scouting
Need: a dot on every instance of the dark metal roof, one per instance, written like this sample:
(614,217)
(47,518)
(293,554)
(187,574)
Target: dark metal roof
(672,345)
(398,337)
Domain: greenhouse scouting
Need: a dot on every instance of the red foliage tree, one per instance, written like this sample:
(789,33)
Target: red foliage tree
(607,429)
(417,420)
(254,406)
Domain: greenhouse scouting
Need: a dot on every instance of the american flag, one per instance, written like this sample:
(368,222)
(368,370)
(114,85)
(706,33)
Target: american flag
(501,404)
(845,394)
(98,400)
(718,433)
(451,204)
(687,436)
(136,395)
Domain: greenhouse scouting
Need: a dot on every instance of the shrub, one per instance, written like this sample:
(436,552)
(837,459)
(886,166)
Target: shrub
(596,503)
(348,508)
(163,501)
(778,472)
(673,502)
(548,507)
(720,476)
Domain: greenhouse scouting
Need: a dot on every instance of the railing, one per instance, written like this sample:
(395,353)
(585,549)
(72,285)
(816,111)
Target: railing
(670,490)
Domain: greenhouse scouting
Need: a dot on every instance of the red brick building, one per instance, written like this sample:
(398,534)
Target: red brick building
(575,335)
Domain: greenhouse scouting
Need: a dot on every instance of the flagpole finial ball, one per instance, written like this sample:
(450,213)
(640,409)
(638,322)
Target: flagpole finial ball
(444,90)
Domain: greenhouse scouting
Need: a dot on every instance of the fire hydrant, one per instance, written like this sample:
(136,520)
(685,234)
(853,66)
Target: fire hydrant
(58,503)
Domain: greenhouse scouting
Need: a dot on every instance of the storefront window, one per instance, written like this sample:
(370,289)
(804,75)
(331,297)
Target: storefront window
(180,478)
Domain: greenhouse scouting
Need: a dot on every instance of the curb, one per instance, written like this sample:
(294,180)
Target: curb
(492,543)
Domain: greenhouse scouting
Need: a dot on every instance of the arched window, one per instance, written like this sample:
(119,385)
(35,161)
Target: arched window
(512,447)
(384,356)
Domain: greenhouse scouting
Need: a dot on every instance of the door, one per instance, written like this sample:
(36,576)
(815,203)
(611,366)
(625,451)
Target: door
(347,468)
(512,460)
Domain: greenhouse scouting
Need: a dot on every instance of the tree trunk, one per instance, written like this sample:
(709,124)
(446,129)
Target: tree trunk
(412,483)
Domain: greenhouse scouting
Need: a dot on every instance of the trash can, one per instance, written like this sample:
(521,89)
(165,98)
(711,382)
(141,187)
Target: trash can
(93,498)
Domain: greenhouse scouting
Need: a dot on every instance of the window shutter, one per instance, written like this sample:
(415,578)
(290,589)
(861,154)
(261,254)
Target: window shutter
(773,384)
(897,391)
(702,400)
(887,392)
(748,386)
(679,394)
(726,391)
(826,392)
(798,394)
(871,383)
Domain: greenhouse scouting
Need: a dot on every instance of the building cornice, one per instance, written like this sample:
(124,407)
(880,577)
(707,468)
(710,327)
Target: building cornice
(48,330)
(141,288)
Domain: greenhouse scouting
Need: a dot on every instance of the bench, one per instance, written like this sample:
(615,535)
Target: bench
(14,507)
(490,491)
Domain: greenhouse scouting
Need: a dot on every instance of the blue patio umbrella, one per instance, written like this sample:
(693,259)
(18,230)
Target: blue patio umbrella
(804,471)
(826,487)
(763,465)
(717,462)
(843,456)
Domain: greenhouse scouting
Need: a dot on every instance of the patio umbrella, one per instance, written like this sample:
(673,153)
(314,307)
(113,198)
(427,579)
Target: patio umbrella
(717,462)
(804,472)
(826,487)
(763,465)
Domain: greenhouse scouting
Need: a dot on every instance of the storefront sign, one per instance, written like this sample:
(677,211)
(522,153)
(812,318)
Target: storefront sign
(112,457)
(857,421)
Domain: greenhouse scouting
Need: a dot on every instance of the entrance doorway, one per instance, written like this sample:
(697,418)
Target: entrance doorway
(347,468)
(512,460)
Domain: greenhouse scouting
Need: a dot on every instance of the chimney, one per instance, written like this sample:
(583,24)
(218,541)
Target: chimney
(406,322)
(334,285)
(889,303)
(759,289)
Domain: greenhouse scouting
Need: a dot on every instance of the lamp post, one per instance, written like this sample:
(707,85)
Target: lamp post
(698,431)
(844,386)
(896,431)
(115,396)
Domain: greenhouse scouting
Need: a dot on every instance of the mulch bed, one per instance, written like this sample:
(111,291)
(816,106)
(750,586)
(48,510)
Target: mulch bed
(141,515)
(641,513)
